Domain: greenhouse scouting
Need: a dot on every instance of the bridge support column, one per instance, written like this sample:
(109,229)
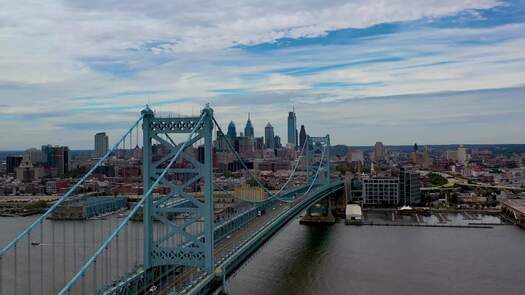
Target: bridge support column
(319,213)
(318,170)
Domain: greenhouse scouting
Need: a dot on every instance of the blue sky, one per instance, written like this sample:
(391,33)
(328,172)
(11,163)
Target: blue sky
(397,71)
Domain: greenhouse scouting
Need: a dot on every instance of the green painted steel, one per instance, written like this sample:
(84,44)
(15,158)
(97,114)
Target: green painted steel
(198,252)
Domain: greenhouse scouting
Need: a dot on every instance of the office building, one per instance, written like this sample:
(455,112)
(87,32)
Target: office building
(248,129)
(33,155)
(409,188)
(232,133)
(101,144)
(355,156)
(61,159)
(462,155)
(27,172)
(381,191)
(379,151)
(277,142)
(302,136)
(292,128)
(269,136)
(12,162)
(47,154)
(258,143)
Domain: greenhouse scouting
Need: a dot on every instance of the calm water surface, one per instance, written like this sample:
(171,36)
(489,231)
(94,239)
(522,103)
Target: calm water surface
(368,260)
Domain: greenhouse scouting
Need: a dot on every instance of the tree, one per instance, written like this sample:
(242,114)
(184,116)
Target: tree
(437,180)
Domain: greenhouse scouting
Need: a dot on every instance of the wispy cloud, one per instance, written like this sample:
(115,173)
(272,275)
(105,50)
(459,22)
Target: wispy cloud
(370,67)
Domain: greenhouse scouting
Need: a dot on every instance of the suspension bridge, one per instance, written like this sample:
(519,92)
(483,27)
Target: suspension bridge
(171,241)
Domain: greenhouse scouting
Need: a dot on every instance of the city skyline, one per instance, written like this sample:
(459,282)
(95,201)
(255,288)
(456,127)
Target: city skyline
(439,72)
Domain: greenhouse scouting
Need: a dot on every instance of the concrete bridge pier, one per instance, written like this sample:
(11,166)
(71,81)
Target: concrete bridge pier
(320,212)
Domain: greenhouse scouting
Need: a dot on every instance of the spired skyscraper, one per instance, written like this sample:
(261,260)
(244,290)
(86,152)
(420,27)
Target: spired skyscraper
(269,136)
(248,130)
(292,128)
(232,133)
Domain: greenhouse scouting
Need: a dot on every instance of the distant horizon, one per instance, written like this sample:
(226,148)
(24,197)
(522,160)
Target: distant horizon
(356,146)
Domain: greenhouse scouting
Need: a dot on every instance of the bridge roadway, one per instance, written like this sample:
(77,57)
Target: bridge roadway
(227,245)
(233,252)
(235,240)
(228,235)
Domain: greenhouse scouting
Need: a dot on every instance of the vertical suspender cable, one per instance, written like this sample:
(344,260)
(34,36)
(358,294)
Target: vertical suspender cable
(29,262)
(41,258)
(53,270)
(117,254)
(74,245)
(16,274)
(65,249)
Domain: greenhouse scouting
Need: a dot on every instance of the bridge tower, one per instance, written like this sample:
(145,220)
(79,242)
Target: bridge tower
(196,250)
(318,171)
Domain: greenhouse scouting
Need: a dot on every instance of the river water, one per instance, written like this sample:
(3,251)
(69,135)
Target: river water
(342,259)
(357,260)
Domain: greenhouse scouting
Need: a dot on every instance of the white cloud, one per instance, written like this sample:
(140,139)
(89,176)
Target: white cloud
(47,51)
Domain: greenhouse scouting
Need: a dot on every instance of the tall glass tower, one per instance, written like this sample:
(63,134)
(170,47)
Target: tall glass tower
(248,130)
(292,128)
(302,136)
(269,136)
(232,133)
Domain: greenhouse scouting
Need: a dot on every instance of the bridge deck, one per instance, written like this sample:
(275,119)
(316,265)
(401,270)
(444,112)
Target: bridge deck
(229,244)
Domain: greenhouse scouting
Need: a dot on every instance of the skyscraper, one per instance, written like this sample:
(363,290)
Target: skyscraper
(292,128)
(47,154)
(277,142)
(101,144)
(302,136)
(33,155)
(269,137)
(12,162)
(232,133)
(248,130)
(379,151)
(61,159)
(462,154)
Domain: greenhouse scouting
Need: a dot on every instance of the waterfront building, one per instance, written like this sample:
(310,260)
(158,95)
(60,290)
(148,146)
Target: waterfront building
(101,144)
(381,191)
(269,136)
(409,188)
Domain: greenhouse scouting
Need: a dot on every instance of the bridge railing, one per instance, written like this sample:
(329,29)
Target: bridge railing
(43,256)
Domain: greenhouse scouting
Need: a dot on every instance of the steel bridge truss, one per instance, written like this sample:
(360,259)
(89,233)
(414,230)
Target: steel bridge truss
(318,147)
(196,246)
